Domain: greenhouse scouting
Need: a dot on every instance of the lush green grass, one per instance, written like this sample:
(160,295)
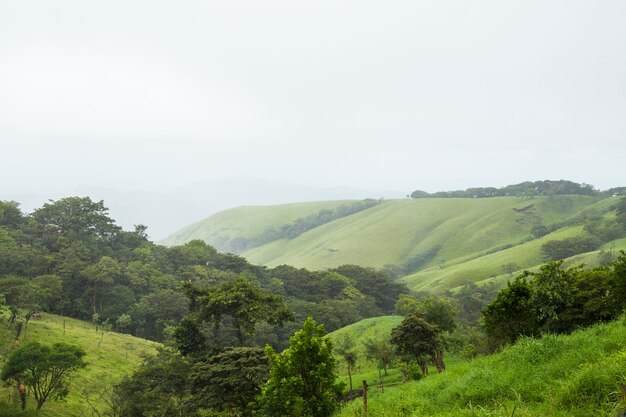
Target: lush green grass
(117,355)
(246,222)
(557,376)
(372,328)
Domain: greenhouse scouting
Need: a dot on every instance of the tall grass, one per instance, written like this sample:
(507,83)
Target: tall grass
(575,375)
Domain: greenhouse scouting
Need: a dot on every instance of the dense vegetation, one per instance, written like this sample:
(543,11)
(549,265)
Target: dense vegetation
(69,257)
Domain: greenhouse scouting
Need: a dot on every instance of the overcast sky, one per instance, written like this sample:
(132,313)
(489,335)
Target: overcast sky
(387,95)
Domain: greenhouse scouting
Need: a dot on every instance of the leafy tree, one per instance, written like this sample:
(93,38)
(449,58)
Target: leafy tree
(553,289)
(229,380)
(380,350)
(76,218)
(243,302)
(123,322)
(512,314)
(160,388)
(417,338)
(302,379)
(434,309)
(345,348)
(44,369)
(100,275)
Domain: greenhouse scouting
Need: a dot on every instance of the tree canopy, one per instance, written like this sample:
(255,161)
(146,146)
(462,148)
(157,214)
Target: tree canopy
(44,369)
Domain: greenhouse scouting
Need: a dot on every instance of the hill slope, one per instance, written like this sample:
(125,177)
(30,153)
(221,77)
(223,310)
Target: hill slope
(108,358)
(575,375)
(436,243)
(220,229)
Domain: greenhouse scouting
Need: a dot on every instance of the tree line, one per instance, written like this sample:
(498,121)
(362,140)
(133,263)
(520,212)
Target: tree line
(524,189)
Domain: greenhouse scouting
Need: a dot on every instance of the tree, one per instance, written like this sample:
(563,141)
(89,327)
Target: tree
(512,314)
(345,348)
(553,294)
(229,380)
(100,275)
(379,350)
(436,310)
(244,302)
(158,388)
(419,339)
(302,379)
(44,369)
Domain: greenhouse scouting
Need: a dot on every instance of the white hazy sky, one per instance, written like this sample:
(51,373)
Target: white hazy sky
(376,94)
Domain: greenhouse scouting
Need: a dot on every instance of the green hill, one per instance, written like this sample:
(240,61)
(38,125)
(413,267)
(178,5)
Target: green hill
(435,243)
(576,375)
(222,228)
(108,358)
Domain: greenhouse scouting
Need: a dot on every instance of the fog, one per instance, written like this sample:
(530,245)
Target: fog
(150,97)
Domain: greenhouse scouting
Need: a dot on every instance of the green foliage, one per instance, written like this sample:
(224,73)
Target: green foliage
(44,369)
(436,310)
(302,379)
(159,388)
(512,314)
(229,380)
(555,250)
(417,338)
(556,300)
(244,303)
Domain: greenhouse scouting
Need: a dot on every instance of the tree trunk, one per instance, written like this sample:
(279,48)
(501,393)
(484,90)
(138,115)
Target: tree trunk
(350,377)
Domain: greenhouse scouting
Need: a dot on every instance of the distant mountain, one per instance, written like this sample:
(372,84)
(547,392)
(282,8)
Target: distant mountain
(432,243)
(169,210)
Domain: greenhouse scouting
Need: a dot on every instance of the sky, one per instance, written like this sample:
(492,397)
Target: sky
(382,95)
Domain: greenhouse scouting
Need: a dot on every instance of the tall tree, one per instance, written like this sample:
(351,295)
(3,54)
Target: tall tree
(345,348)
(243,302)
(303,379)
(419,339)
(512,314)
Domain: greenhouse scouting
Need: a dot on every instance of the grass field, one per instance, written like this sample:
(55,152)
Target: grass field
(109,358)
(574,375)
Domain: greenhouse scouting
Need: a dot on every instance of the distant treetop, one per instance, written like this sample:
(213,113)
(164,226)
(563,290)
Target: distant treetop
(524,189)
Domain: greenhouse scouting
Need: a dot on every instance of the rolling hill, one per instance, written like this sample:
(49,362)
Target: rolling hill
(435,243)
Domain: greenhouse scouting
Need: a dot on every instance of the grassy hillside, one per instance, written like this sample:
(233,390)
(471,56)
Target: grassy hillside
(371,328)
(245,222)
(576,375)
(108,359)
(444,241)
